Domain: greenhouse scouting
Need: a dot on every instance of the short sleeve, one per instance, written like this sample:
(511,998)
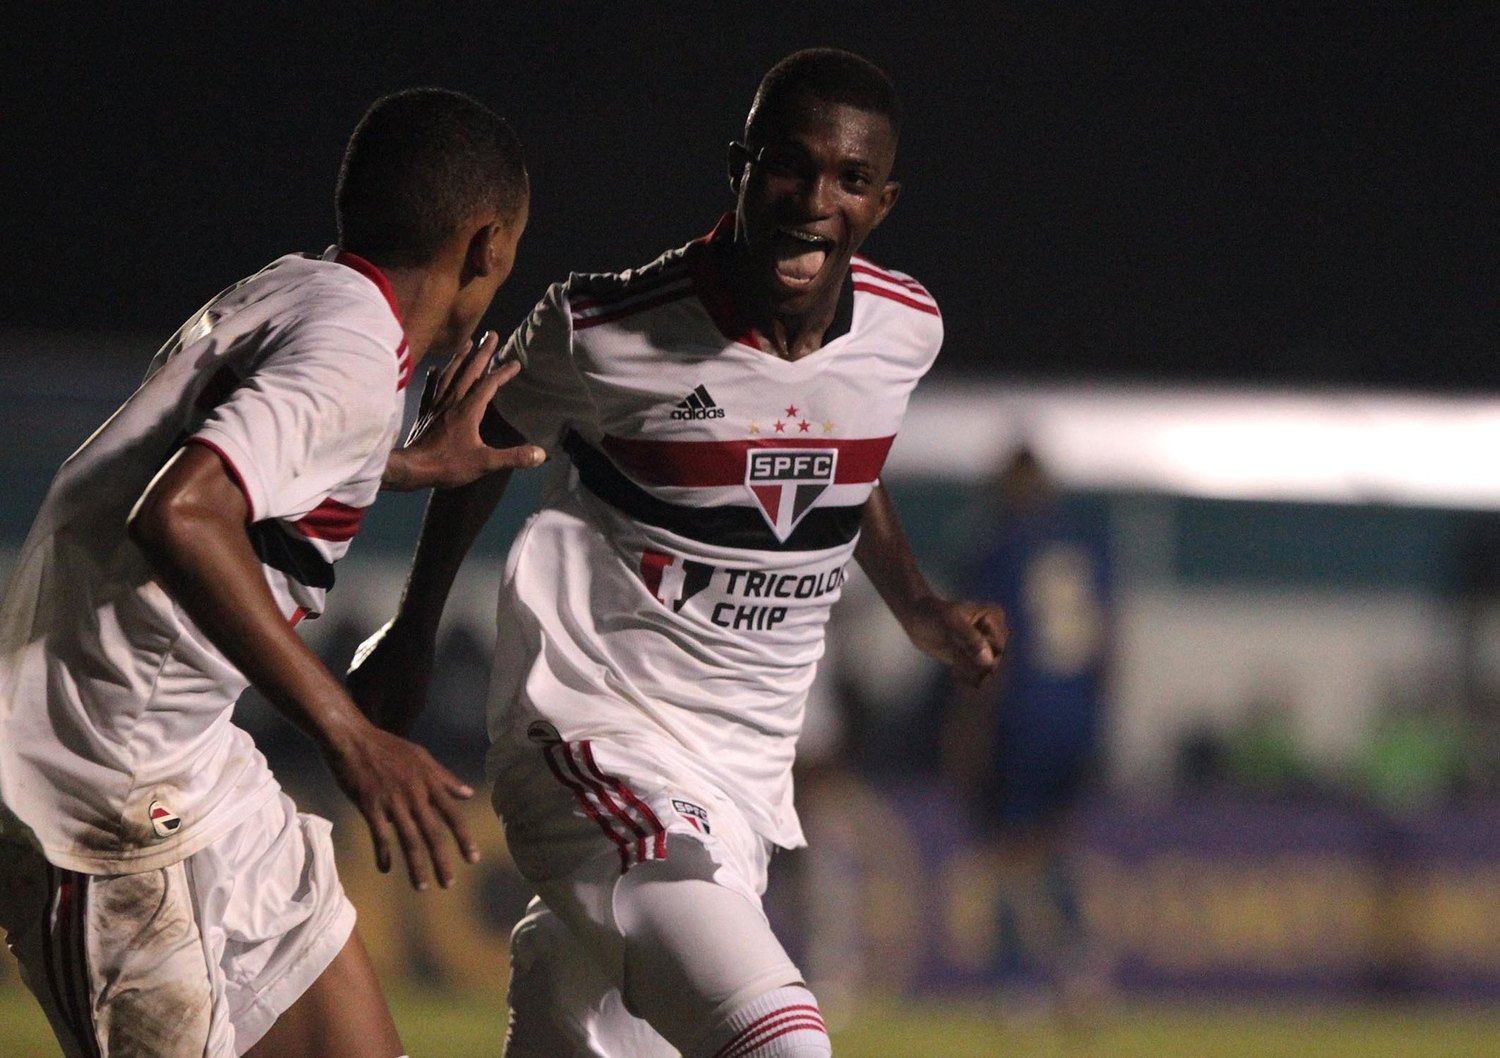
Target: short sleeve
(306,419)
(548,395)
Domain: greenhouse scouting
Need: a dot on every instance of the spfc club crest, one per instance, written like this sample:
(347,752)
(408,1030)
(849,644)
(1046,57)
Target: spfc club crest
(786,482)
(164,821)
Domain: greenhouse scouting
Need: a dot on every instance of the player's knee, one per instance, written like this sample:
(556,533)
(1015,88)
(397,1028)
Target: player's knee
(781,1023)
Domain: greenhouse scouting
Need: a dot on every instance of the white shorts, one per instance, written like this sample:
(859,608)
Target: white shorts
(656,885)
(196,959)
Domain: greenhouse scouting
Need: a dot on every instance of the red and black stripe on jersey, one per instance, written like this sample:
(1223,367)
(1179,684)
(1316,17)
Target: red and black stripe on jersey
(718,464)
(599,299)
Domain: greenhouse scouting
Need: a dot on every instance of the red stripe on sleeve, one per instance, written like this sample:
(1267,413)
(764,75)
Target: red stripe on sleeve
(865,268)
(882,292)
(331,520)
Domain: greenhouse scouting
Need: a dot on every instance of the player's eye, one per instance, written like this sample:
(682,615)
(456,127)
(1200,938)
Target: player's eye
(857,181)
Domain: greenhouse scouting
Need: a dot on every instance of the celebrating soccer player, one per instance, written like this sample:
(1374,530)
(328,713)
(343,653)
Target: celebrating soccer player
(726,411)
(162,894)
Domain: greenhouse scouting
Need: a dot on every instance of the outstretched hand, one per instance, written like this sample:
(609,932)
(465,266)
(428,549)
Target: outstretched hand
(969,636)
(402,791)
(445,448)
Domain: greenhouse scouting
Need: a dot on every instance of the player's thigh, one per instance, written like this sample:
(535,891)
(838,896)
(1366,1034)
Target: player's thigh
(117,962)
(343,1014)
(276,922)
(561,1003)
(695,950)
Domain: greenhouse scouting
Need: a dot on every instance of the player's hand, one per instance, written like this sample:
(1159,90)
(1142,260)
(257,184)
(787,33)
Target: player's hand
(970,636)
(445,449)
(388,677)
(404,793)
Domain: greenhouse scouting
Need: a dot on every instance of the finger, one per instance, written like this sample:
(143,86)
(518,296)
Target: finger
(380,834)
(991,625)
(968,640)
(476,363)
(484,390)
(413,848)
(521,457)
(450,783)
(424,406)
(451,369)
(435,841)
(461,834)
(429,390)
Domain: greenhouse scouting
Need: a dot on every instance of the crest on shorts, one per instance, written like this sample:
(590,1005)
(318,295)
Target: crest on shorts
(786,482)
(164,821)
(697,815)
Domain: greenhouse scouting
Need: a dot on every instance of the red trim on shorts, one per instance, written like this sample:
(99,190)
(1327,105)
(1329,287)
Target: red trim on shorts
(762,1030)
(602,795)
(629,823)
(63,943)
(49,968)
(658,833)
(581,796)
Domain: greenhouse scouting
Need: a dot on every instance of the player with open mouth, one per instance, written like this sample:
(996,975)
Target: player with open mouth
(726,411)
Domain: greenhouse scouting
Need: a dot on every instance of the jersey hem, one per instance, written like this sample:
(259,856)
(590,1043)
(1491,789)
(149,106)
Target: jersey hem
(155,857)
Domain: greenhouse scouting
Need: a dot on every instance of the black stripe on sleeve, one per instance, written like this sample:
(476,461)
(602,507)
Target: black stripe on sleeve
(277,547)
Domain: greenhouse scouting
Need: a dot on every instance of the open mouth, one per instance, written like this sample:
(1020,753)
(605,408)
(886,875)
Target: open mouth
(800,256)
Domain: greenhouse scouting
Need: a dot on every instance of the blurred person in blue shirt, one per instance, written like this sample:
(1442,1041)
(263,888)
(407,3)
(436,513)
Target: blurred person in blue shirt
(1023,749)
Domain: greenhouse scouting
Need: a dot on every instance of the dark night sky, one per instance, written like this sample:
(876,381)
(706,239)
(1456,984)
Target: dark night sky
(1267,192)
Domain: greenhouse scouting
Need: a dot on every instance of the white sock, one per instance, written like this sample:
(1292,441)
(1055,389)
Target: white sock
(781,1023)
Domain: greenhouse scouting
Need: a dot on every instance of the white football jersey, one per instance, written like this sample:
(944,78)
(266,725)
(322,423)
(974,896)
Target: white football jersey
(678,581)
(116,749)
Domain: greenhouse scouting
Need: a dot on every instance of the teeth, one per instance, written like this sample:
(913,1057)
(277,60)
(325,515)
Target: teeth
(807,237)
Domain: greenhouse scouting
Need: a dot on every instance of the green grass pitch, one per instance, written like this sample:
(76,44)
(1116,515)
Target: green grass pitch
(434,1024)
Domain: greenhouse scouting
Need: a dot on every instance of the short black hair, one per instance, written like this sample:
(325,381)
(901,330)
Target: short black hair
(829,74)
(420,165)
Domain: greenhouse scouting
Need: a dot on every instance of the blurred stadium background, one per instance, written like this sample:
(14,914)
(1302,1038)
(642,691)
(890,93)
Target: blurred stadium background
(1232,274)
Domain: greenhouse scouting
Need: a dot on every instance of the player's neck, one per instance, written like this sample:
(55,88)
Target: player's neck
(424,298)
(793,337)
(785,335)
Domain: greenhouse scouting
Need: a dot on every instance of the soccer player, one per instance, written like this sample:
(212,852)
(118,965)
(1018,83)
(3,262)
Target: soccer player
(726,410)
(162,894)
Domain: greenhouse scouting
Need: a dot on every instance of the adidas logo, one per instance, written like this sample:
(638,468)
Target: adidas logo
(697,405)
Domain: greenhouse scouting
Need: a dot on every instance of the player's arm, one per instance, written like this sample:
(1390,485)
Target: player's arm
(970,636)
(446,448)
(190,525)
(390,671)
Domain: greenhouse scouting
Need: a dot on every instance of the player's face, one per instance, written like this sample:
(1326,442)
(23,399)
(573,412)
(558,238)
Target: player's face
(474,296)
(813,185)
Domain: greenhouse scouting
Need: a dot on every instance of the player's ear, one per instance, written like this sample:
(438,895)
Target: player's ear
(888,196)
(483,254)
(738,158)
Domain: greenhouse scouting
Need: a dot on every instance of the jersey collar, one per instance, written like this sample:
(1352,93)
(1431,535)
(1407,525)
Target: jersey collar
(372,272)
(713,289)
